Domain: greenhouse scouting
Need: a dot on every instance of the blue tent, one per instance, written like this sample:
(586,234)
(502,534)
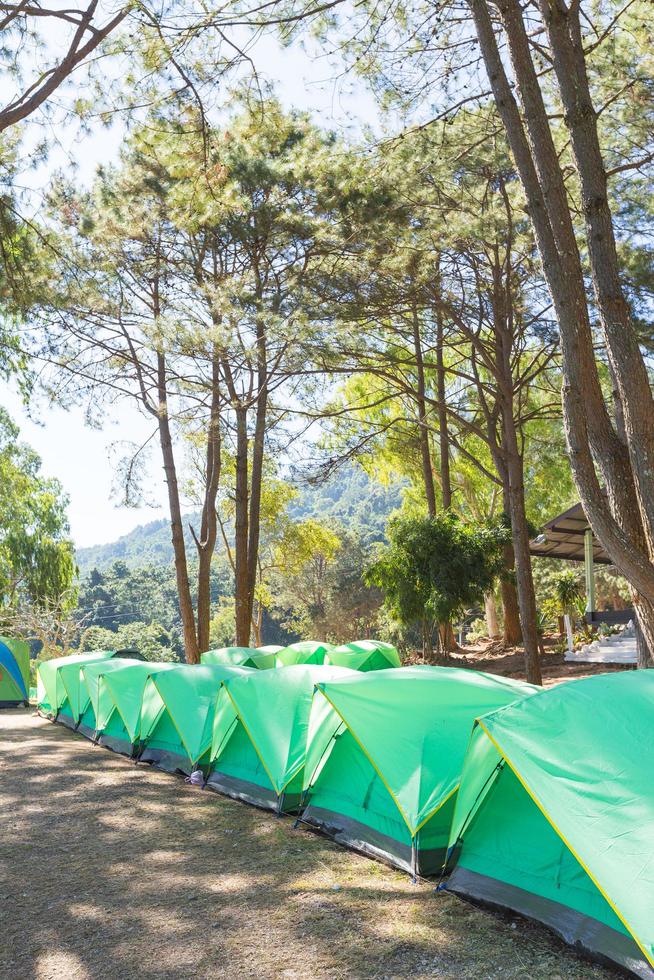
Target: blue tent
(14,672)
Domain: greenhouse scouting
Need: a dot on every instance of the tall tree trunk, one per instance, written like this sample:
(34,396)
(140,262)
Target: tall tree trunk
(520,534)
(443,430)
(258,451)
(206,542)
(504,330)
(446,642)
(243,606)
(490,610)
(615,515)
(427,642)
(512,632)
(191,648)
(626,360)
(423,429)
(644,632)
(257,624)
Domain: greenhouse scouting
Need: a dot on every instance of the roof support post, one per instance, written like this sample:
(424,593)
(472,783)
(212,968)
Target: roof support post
(589,567)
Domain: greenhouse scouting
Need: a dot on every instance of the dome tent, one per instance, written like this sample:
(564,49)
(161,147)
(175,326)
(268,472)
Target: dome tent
(385,754)
(555,815)
(305,652)
(365,655)
(260,735)
(260,658)
(14,672)
(61,694)
(120,709)
(177,715)
(58,685)
(99,710)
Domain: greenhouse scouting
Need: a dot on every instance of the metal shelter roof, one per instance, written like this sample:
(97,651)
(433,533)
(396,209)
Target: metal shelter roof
(563,537)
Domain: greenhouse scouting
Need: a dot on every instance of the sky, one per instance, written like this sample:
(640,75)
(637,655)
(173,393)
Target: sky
(83,458)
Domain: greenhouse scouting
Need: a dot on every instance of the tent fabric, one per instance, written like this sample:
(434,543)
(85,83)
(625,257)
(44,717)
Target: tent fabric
(555,817)
(305,652)
(58,680)
(260,658)
(21,652)
(178,713)
(260,734)
(14,672)
(122,712)
(385,754)
(15,660)
(364,655)
(96,713)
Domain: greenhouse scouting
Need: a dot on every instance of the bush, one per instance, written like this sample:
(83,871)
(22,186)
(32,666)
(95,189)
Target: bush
(478,630)
(435,568)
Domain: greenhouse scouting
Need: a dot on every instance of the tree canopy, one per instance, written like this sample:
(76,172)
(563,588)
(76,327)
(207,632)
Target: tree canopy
(37,561)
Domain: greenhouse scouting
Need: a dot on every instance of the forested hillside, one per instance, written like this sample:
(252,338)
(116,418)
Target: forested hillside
(128,595)
(348,498)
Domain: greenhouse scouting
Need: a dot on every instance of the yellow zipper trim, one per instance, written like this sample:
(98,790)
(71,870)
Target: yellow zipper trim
(175,725)
(254,744)
(376,768)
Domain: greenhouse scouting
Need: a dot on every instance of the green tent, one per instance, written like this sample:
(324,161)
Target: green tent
(260,735)
(364,655)
(59,685)
(99,710)
(385,754)
(121,708)
(177,718)
(306,652)
(14,672)
(555,815)
(269,648)
(260,658)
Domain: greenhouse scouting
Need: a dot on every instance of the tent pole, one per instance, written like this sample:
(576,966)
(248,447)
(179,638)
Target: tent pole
(414,861)
(589,567)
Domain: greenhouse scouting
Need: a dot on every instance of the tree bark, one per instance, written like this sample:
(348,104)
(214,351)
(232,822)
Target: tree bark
(520,534)
(626,360)
(446,642)
(427,642)
(257,624)
(490,610)
(443,431)
(243,607)
(206,542)
(503,329)
(423,429)
(258,451)
(644,632)
(512,633)
(191,648)
(615,515)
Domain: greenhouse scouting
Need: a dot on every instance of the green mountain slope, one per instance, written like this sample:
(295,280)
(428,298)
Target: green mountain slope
(349,498)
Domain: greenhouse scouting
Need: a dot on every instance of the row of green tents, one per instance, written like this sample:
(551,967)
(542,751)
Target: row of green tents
(536,801)
(363,655)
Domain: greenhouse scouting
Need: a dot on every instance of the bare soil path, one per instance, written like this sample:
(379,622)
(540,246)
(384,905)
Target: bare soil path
(114,871)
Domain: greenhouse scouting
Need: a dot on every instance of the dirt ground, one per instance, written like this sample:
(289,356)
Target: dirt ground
(111,871)
(494,658)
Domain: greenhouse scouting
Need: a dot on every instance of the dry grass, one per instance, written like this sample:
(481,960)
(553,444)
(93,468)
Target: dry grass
(115,871)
